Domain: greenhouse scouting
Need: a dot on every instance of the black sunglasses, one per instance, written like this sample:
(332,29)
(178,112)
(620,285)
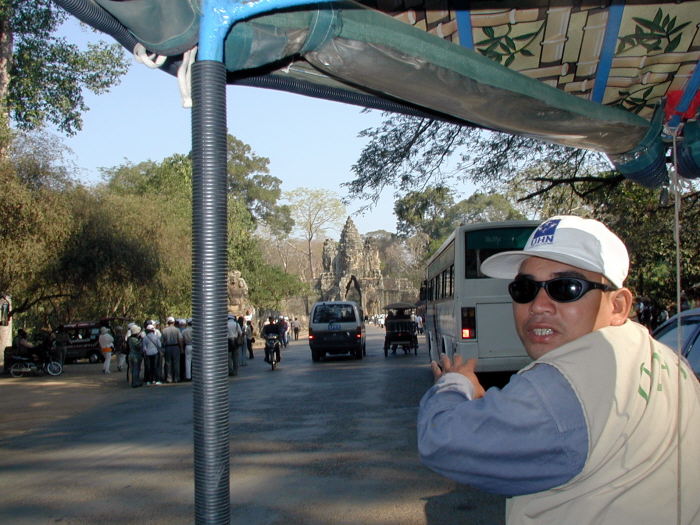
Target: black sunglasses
(561,289)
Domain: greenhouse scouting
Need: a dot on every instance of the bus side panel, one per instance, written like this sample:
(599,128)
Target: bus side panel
(496,331)
(445,326)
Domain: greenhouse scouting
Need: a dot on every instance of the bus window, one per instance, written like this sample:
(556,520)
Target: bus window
(479,245)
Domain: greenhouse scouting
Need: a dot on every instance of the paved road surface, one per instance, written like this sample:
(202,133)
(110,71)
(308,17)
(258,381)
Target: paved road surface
(311,443)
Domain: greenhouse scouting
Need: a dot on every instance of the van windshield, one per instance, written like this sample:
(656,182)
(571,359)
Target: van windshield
(334,313)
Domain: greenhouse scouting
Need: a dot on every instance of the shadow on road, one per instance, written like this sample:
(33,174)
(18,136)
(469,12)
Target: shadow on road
(465,506)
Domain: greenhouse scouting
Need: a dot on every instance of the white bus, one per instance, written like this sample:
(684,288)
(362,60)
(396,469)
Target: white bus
(467,313)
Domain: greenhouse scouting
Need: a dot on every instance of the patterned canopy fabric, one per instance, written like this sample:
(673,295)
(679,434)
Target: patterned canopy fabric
(623,54)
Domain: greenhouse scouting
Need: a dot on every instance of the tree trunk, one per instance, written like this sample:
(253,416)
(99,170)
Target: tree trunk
(310,257)
(6,47)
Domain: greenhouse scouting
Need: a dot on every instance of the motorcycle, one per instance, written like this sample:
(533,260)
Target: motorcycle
(272,349)
(27,366)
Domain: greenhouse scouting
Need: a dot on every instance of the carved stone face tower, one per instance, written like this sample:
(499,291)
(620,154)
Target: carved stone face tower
(351,253)
(353,263)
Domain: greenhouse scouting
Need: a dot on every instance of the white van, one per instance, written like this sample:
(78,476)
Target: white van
(336,327)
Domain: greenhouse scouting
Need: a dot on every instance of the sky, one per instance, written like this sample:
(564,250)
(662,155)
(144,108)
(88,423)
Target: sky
(310,142)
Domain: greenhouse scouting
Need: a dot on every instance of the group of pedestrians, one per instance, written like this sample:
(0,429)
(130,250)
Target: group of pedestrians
(240,337)
(158,354)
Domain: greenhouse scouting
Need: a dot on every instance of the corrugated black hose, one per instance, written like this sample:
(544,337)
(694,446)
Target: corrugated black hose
(95,16)
(209,297)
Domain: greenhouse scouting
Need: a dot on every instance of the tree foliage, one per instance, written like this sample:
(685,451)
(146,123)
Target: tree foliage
(412,154)
(645,222)
(314,212)
(122,248)
(429,216)
(34,224)
(42,76)
(250,180)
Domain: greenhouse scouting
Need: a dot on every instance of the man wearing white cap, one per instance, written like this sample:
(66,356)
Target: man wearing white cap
(591,431)
(171,339)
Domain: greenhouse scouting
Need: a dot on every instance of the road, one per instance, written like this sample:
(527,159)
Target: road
(311,443)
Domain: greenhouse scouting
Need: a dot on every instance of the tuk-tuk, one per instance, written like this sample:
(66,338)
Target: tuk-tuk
(401,328)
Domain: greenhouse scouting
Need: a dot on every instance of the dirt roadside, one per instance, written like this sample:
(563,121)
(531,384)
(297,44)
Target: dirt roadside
(26,402)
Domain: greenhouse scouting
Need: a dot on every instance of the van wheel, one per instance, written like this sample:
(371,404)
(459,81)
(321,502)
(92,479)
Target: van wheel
(315,356)
(94,357)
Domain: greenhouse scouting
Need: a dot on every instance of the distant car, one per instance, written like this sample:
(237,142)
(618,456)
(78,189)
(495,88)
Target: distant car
(336,327)
(84,339)
(83,342)
(667,333)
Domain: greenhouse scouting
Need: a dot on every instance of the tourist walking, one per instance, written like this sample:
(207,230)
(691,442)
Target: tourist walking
(172,346)
(242,342)
(134,348)
(249,338)
(151,351)
(120,348)
(233,334)
(283,326)
(106,342)
(296,325)
(187,342)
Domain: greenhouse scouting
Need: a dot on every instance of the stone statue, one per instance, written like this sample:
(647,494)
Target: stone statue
(238,301)
(329,252)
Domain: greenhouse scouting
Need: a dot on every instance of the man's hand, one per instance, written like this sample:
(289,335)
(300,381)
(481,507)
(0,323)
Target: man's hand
(467,369)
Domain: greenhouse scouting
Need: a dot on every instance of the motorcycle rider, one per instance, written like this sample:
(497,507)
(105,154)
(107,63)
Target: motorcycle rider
(271,328)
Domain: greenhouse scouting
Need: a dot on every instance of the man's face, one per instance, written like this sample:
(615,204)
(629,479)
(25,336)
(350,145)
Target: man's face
(544,324)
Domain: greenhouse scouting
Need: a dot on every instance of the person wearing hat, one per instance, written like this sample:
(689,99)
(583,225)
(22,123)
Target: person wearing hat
(134,346)
(171,339)
(151,350)
(591,431)
(106,342)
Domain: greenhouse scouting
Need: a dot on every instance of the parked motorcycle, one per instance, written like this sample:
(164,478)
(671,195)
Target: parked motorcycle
(25,366)
(272,349)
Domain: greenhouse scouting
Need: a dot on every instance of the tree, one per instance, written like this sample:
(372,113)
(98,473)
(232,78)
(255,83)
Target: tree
(42,76)
(249,179)
(314,212)
(424,211)
(112,262)
(484,207)
(413,154)
(167,184)
(429,216)
(34,224)
(35,218)
(646,225)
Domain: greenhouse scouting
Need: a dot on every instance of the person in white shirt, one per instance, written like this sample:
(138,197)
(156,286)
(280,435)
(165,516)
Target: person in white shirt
(106,342)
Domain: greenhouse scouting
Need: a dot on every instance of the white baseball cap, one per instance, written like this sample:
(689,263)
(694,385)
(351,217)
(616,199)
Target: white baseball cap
(170,320)
(584,243)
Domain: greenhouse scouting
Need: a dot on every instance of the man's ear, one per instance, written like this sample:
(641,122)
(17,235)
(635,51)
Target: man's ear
(622,304)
